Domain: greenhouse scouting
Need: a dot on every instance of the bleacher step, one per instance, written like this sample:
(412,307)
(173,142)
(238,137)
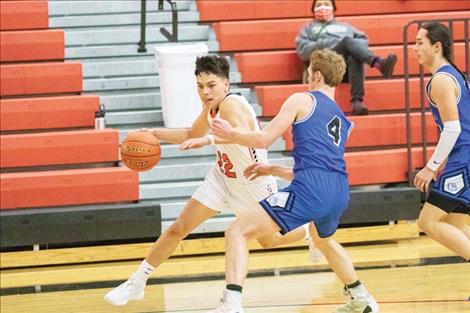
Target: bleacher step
(130,35)
(123,19)
(85,7)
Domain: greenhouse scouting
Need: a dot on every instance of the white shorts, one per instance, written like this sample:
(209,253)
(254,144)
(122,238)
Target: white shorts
(221,195)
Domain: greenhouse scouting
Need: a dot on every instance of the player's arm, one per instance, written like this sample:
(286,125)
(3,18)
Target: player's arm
(445,99)
(265,137)
(199,128)
(256,170)
(232,111)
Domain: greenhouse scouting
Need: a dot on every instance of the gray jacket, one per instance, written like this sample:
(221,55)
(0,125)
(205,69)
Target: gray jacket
(316,35)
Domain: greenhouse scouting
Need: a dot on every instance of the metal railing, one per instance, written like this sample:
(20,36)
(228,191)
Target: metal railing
(172,37)
(450,23)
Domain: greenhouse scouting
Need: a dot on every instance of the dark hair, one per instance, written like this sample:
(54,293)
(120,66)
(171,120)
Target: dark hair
(315,1)
(437,32)
(212,64)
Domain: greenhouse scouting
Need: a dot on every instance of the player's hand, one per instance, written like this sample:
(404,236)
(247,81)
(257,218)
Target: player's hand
(195,143)
(221,128)
(424,178)
(256,170)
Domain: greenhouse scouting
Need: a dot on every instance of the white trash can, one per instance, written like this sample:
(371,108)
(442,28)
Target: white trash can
(179,98)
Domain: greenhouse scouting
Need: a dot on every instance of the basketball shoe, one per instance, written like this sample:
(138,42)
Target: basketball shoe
(360,301)
(128,290)
(225,306)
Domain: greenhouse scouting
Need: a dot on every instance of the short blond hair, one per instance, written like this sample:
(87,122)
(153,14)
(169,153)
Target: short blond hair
(330,64)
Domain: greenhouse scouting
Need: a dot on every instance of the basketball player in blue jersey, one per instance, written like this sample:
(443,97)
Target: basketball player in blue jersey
(224,188)
(444,215)
(318,193)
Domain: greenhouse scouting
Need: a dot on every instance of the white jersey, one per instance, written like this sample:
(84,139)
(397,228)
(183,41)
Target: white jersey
(232,159)
(225,187)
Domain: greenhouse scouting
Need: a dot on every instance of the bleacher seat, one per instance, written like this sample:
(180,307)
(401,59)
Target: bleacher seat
(381,166)
(285,66)
(40,78)
(68,187)
(226,10)
(48,112)
(280,34)
(34,45)
(384,130)
(377,98)
(54,148)
(19,15)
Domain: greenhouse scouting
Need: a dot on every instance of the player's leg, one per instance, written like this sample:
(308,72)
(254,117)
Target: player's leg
(253,224)
(300,233)
(459,220)
(341,263)
(432,221)
(133,289)
(198,209)
(276,239)
(194,214)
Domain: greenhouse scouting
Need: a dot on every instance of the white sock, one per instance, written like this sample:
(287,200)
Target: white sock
(233,297)
(359,291)
(143,272)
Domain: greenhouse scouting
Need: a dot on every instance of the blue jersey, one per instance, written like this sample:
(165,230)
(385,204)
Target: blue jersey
(320,138)
(463,104)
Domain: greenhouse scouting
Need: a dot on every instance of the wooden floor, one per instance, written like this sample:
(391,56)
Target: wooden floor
(289,282)
(415,289)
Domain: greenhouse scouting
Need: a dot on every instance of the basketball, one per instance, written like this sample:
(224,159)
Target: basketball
(140,151)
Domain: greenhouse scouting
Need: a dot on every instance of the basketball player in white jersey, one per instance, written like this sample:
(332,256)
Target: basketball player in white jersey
(224,187)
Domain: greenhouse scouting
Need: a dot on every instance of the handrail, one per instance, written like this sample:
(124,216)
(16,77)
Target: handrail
(173,36)
(422,87)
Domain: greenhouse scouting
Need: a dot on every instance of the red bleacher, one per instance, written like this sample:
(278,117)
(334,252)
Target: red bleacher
(41,78)
(262,34)
(53,148)
(271,97)
(381,166)
(34,45)
(384,130)
(280,34)
(68,187)
(20,15)
(285,66)
(227,10)
(48,112)
(33,84)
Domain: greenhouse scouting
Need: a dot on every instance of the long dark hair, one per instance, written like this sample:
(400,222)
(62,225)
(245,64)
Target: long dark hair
(437,32)
(315,1)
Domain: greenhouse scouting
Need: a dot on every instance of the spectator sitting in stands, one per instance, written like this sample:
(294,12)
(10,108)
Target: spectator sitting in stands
(325,32)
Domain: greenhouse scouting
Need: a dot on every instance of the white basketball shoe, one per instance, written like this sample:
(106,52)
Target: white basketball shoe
(128,290)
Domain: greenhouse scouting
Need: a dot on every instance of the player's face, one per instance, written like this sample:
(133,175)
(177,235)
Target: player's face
(423,48)
(212,89)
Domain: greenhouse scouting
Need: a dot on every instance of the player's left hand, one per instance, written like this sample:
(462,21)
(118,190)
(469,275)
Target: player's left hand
(195,143)
(256,170)
(221,128)
(424,178)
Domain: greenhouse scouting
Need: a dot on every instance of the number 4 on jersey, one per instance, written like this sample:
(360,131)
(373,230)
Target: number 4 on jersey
(334,130)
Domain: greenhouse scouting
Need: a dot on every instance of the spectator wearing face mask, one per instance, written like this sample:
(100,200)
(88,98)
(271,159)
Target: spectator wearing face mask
(326,32)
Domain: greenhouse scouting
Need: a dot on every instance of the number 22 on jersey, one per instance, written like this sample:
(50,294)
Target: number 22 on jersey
(225,165)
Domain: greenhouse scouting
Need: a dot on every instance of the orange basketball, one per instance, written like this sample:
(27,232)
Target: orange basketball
(140,151)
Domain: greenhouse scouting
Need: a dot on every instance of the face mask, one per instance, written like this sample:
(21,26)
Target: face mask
(323,13)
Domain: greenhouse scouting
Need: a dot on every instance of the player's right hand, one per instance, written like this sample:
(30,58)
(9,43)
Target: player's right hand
(256,170)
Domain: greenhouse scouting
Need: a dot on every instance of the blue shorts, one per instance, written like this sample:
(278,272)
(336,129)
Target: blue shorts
(314,195)
(451,191)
